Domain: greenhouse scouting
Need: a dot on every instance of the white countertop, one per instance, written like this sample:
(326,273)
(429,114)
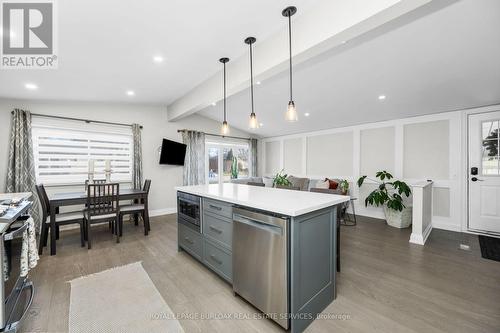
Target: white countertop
(281,201)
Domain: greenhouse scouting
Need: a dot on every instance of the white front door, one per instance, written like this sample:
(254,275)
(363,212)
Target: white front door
(484,172)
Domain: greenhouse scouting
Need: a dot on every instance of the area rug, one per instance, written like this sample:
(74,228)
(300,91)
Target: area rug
(121,299)
(490,247)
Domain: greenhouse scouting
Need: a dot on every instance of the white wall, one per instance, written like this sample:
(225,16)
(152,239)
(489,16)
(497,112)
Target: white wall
(413,149)
(153,118)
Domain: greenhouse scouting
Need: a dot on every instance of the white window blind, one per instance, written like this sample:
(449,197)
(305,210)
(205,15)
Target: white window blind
(62,152)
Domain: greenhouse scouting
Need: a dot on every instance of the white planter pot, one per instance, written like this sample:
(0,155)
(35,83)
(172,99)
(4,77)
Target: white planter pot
(398,219)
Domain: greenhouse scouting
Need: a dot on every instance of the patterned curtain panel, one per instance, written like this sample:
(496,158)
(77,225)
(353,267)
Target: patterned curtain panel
(21,164)
(253,154)
(137,168)
(194,163)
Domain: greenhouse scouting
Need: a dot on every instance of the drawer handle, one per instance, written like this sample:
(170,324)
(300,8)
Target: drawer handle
(188,240)
(215,229)
(215,207)
(214,258)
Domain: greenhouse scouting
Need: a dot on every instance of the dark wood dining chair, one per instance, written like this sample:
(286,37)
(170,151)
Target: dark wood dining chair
(102,206)
(61,219)
(138,208)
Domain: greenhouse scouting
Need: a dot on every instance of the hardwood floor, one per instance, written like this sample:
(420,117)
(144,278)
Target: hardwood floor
(386,284)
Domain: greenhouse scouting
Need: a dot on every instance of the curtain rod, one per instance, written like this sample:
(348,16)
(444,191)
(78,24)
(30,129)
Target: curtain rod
(88,121)
(218,135)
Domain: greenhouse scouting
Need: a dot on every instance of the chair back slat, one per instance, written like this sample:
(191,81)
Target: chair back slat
(42,197)
(103,199)
(147,185)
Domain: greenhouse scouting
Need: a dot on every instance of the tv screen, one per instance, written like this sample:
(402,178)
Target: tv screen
(172,152)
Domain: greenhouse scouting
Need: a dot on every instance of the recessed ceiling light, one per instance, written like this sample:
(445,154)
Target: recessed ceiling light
(158,59)
(214,104)
(307,114)
(261,124)
(343,42)
(130,93)
(382,97)
(31,86)
(258,82)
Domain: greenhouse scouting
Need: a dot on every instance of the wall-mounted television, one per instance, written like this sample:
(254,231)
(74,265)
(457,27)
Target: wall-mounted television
(172,152)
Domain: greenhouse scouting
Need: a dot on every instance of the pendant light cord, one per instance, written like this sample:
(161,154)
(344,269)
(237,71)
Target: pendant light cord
(251,76)
(224,91)
(290,49)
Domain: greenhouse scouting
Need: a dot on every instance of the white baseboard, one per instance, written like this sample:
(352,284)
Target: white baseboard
(162,211)
(437,222)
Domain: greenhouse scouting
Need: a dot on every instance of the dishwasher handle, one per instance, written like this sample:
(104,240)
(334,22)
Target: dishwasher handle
(258,224)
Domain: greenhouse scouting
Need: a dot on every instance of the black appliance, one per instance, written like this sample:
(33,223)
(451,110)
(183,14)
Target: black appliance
(188,210)
(17,291)
(172,152)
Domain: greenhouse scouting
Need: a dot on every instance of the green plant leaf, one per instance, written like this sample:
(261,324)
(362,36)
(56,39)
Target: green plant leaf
(361,180)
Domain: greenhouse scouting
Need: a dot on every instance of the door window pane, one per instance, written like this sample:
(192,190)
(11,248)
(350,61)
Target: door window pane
(213,165)
(235,163)
(490,143)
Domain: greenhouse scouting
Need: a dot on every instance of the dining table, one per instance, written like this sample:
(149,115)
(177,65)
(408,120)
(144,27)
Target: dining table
(61,199)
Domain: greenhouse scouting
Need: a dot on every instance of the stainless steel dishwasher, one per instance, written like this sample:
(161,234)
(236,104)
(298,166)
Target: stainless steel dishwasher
(260,262)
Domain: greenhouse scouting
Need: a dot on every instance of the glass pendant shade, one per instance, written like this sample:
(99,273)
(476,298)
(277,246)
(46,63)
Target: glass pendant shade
(291,113)
(253,124)
(225,128)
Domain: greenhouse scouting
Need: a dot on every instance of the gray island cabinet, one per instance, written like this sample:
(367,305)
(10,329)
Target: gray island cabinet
(276,247)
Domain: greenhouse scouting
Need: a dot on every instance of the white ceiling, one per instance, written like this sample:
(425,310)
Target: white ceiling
(443,61)
(107,47)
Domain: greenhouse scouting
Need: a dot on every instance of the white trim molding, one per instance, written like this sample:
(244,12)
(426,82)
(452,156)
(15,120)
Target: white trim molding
(422,212)
(455,218)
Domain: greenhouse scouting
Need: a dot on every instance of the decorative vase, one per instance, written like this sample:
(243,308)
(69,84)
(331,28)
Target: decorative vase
(398,219)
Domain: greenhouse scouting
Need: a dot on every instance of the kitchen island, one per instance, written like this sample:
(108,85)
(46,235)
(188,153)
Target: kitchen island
(276,247)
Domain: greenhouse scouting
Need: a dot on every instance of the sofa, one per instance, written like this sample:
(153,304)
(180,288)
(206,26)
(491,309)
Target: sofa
(304,184)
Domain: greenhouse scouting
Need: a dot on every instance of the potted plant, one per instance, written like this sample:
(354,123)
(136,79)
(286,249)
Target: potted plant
(389,195)
(344,186)
(281,179)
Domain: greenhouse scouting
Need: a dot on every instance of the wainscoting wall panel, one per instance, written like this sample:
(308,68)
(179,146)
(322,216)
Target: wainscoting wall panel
(292,155)
(330,154)
(377,150)
(272,161)
(413,149)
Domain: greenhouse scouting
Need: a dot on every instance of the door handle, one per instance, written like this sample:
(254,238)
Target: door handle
(214,258)
(188,240)
(475,179)
(215,207)
(215,229)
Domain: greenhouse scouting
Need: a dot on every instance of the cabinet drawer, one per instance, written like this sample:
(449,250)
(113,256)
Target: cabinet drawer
(218,207)
(218,228)
(218,259)
(190,241)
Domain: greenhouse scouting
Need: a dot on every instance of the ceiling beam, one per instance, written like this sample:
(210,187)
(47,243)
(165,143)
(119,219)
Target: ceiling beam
(321,28)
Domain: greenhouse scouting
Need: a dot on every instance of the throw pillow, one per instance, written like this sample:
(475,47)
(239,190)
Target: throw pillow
(268,182)
(302,183)
(333,184)
(323,184)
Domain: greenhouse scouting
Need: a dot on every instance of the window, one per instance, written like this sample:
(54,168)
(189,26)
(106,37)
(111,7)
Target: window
(62,151)
(227,160)
(490,155)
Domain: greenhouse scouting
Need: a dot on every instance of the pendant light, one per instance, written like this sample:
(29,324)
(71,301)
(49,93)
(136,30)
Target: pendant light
(254,124)
(225,126)
(291,113)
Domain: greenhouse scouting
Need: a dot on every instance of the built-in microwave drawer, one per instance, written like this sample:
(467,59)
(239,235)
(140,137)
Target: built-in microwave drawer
(218,259)
(218,207)
(218,228)
(191,241)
